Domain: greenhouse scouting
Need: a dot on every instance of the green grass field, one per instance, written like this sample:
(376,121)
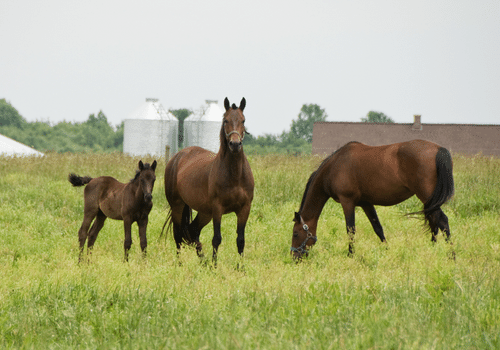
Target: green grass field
(408,295)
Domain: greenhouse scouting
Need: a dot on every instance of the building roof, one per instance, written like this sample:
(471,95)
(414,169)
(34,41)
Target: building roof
(152,110)
(10,147)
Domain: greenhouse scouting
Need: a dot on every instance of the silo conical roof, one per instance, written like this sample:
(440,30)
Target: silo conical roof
(151,110)
(213,113)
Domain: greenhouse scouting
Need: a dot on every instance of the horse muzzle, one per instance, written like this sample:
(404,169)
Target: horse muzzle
(235,146)
(302,250)
(235,141)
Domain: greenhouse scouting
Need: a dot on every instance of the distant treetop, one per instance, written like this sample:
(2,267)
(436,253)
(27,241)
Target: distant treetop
(376,117)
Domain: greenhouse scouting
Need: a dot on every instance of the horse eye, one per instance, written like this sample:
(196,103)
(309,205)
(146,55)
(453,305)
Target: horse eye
(225,121)
(295,234)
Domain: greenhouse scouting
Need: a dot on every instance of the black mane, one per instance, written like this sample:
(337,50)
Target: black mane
(313,175)
(138,172)
(223,140)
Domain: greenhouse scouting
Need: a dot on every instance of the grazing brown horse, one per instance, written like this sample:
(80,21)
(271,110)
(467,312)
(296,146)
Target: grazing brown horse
(212,184)
(364,176)
(105,197)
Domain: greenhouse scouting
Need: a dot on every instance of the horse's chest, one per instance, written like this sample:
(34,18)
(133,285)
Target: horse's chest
(233,199)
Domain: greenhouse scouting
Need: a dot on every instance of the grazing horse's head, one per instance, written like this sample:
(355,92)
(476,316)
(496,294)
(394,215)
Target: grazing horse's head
(303,237)
(147,177)
(233,125)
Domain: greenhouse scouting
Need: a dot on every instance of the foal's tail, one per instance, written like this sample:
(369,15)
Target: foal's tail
(445,187)
(78,180)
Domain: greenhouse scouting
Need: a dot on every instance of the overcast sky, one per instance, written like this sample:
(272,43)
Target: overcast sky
(63,60)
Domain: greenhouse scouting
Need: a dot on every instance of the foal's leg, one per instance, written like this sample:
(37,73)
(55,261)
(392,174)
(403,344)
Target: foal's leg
(94,230)
(348,207)
(83,232)
(127,224)
(143,225)
(371,213)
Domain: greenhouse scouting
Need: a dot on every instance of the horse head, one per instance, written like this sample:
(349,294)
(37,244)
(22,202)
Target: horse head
(233,125)
(303,237)
(147,179)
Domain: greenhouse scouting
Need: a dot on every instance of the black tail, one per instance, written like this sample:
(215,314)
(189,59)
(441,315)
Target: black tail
(167,224)
(445,187)
(184,235)
(78,180)
(181,232)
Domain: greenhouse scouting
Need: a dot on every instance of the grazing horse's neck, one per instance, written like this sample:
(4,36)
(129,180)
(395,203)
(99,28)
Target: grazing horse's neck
(314,200)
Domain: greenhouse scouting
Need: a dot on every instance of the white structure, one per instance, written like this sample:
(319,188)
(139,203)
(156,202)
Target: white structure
(149,129)
(12,148)
(203,128)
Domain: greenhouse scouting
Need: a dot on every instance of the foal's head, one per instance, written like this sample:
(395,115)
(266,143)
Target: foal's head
(233,125)
(146,176)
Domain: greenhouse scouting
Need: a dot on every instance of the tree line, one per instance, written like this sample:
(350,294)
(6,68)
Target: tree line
(96,134)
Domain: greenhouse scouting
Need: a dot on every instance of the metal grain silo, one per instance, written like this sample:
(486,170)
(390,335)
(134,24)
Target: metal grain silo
(203,127)
(149,130)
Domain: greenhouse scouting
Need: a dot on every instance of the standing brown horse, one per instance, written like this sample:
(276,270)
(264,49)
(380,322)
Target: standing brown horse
(361,175)
(212,184)
(106,197)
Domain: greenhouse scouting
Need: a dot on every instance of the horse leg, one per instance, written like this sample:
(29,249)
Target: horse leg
(200,221)
(217,239)
(433,220)
(371,214)
(95,229)
(439,221)
(240,229)
(143,224)
(127,224)
(348,207)
(84,230)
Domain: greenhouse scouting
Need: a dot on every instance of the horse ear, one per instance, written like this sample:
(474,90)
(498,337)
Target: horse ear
(226,104)
(153,166)
(297,217)
(243,104)
(141,165)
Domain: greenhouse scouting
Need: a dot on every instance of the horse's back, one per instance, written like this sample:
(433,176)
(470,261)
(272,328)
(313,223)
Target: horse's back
(385,175)
(102,185)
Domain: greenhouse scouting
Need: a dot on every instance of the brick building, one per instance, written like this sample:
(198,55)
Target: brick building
(466,139)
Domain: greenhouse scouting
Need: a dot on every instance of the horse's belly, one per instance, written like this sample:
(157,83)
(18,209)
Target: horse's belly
(387,198)
(111,207)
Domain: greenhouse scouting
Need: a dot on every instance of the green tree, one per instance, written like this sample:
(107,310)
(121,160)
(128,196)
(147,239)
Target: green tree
(9,116)
(98,133)
(93,135)
(181,115)
(376,117)
(303,127)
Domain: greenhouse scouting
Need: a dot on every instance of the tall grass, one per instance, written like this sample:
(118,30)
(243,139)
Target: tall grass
(406,295)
